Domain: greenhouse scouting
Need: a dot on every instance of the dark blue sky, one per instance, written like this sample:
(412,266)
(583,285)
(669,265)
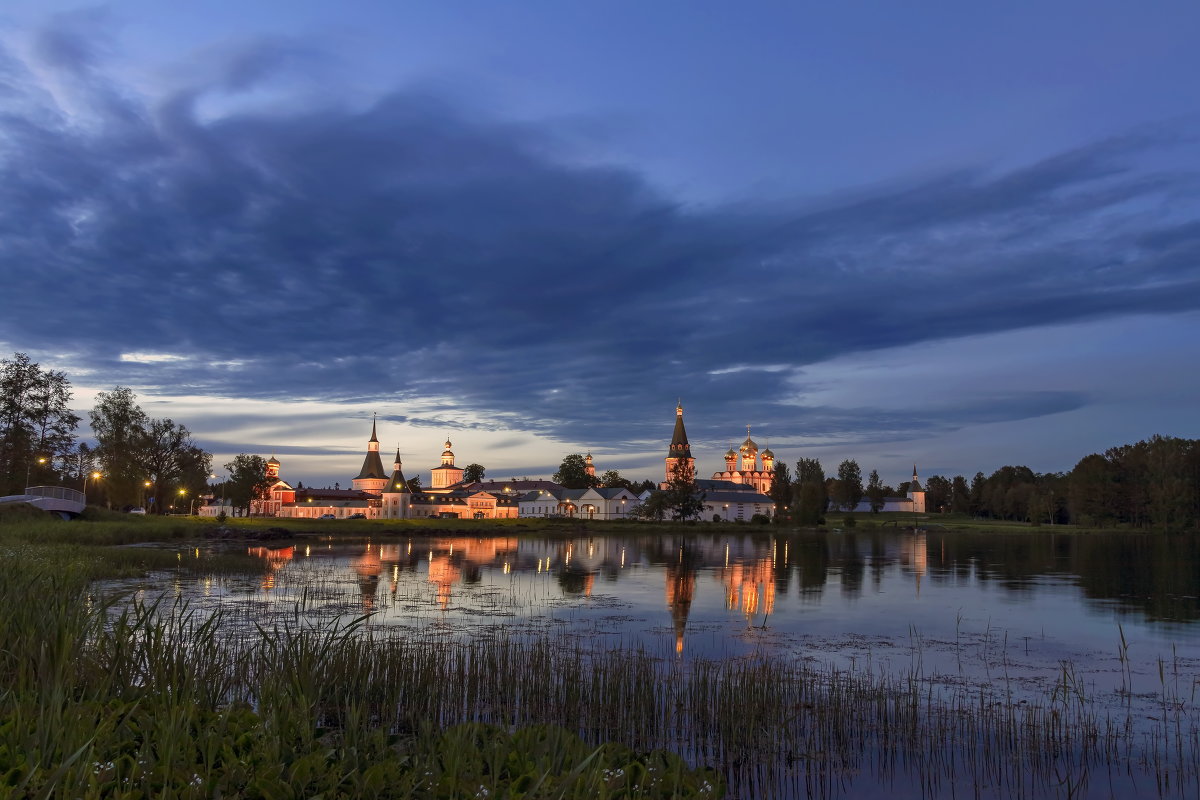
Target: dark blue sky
(959,236)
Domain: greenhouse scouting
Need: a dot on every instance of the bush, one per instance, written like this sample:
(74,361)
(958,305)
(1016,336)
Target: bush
(20,512)
(849,521)
(760,519)
(716,517)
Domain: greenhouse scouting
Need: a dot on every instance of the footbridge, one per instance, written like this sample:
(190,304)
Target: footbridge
(57,500)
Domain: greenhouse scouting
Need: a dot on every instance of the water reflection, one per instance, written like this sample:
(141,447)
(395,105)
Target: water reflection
(959,608)
(1155,575)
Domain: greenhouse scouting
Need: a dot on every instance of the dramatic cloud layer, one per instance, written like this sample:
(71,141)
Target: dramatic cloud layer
(459,269)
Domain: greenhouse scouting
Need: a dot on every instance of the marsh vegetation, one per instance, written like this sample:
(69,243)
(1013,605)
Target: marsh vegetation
(187,670)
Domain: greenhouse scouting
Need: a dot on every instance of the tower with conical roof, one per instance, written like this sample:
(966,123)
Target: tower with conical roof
(397,498)
(273,468)
(916,493)
(371,478)
(589,467)
(680,452)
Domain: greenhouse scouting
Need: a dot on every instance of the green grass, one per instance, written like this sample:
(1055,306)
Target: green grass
(109,697)
(108,700)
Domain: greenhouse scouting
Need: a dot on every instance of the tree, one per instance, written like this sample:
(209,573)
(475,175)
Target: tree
(875,492)
(975,505)
(613,480)
(572,473)
(248,480)
(960,495)
(811,497)
(118,424)
(848,490)
(937,493)
(473,473)
(414,484)
(135,450)
(35,422)
(172,461)
(682,497)
(653,507)
(781,490)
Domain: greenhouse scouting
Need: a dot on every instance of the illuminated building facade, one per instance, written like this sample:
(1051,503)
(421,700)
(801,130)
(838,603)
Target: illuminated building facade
(741,466)
(377,495)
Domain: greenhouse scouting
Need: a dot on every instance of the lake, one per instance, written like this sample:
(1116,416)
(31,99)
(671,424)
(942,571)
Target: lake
(1115,614)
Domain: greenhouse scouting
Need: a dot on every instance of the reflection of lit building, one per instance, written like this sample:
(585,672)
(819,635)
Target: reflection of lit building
(275,557)
(750,587)
(680,589)
(368,567)
(448,557)
(914,554)
(443,573)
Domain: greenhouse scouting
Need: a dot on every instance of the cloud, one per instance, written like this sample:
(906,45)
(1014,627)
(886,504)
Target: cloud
(415,249)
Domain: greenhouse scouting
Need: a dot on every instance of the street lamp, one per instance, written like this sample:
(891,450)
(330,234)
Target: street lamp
(213,476)
(28,467)
(145,486)
(94,476)
(192,506)
(182,493)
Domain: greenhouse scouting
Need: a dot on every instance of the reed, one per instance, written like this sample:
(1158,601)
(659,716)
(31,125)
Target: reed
(108,696)
(105,698)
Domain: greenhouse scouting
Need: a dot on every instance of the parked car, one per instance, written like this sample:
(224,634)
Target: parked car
(327,516)
(357,516)
(141,511)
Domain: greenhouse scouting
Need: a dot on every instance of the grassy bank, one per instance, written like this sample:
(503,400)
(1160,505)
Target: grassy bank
(150,701)
(111,698)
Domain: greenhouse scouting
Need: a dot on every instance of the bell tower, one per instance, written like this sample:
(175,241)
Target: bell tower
(680,452)
(371,478)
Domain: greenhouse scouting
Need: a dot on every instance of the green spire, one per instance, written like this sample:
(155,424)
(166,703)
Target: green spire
(679,441)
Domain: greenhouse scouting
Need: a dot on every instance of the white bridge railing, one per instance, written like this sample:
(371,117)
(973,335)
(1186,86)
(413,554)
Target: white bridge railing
(56,492)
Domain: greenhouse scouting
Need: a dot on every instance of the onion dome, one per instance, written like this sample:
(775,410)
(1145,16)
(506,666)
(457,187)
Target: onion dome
(749,446)
(273,460)
(731,453)
(767,453)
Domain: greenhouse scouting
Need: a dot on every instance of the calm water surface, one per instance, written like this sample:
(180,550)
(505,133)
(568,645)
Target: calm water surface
(955,608)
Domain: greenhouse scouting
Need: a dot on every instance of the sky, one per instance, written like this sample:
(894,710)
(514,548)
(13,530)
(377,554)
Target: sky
(955,235)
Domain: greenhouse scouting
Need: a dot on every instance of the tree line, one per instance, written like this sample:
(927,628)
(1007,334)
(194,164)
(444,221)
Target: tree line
(1151,484)
(155,463)
(137,461)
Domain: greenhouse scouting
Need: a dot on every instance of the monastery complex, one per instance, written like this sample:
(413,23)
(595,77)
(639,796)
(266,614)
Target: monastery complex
(738,492)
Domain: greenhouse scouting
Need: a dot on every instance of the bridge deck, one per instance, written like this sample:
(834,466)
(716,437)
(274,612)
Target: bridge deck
(57,499)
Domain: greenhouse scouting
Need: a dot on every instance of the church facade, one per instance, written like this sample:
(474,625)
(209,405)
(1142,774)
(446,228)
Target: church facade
(734,494)
(376,493)
(741,466)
